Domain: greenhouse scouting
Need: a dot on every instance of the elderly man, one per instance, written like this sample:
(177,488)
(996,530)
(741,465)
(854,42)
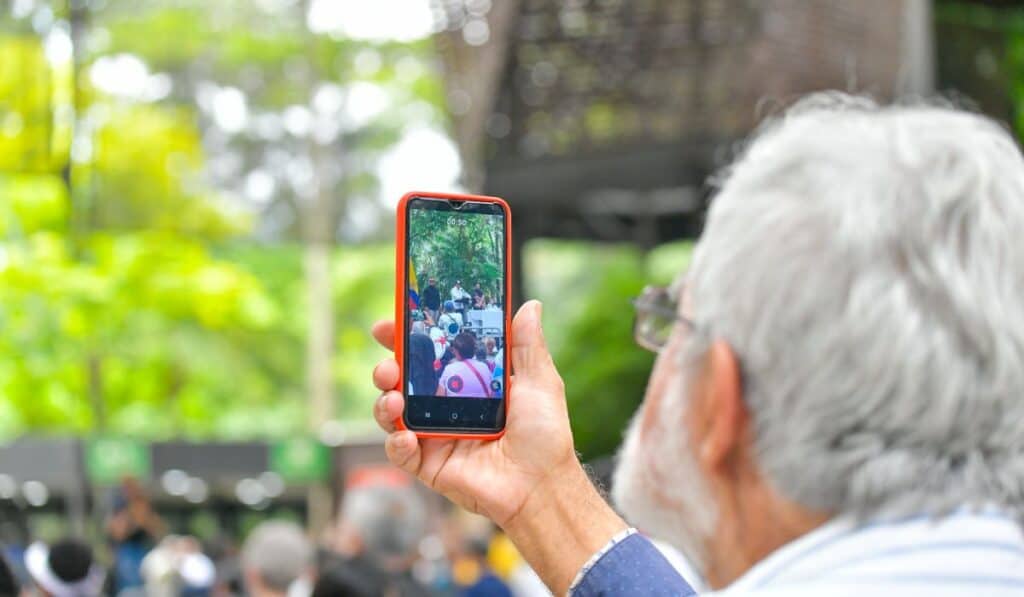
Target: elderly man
(837,407)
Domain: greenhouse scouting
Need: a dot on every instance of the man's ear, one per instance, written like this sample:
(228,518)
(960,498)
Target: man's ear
(726,414)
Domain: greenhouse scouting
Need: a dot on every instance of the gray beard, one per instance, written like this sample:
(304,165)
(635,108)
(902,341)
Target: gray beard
(658,486)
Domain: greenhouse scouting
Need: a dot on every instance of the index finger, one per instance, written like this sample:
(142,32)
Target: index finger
(384,332)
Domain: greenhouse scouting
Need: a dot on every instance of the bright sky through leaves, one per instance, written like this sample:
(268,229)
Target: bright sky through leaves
(376,20)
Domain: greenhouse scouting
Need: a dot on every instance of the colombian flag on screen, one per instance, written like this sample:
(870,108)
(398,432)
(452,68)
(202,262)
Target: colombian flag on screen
(414,289)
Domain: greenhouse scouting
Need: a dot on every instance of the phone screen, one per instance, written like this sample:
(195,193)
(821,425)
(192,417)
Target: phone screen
(455,355)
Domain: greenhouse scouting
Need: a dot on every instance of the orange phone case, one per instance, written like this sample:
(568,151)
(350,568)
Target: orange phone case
(401,277)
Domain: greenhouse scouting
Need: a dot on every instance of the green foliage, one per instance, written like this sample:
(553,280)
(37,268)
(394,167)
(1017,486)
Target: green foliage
(134,325)
(35,128)
(363,280)
(181,342)
(31,203)
(462,247)
(981,56)
(146,173)
(588,319)
(267,52)
(131,300)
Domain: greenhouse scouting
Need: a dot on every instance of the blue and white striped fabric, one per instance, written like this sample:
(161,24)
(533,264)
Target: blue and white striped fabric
(980,554)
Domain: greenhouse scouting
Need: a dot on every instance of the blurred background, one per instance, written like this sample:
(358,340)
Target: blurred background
(197,212)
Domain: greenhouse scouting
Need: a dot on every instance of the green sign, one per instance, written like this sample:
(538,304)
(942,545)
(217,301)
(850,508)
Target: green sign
(300,460)
(108,459)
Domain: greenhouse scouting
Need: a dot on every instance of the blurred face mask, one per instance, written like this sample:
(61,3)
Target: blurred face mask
(658,485)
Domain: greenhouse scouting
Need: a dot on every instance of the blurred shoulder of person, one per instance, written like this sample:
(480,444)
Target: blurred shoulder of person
(276,556)
(450,321)
(9,584)
(177,567)
(342,579)
(486,582)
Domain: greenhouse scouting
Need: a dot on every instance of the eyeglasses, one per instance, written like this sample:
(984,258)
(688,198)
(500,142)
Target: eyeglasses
(656,317)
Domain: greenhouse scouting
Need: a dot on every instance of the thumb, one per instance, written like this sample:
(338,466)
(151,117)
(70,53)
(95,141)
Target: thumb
(530,357)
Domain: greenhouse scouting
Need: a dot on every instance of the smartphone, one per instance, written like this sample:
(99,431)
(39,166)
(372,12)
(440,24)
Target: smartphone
(452,314)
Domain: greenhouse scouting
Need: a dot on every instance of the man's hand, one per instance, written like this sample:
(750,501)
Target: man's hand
(529,481)
(491,478)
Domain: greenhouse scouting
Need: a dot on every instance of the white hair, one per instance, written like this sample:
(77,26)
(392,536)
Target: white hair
(866,264)
(390,521)
(279,552)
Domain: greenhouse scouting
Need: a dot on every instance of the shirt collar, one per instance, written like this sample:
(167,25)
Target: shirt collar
(843,540)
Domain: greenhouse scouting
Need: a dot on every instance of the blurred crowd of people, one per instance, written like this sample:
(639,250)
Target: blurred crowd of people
(448,355)
(386,540)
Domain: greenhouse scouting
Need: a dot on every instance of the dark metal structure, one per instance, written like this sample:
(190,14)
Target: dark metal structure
(602,119)
(210,460)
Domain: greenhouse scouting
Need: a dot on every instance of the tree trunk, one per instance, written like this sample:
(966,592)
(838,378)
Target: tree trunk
(477,73)
(320,342)
(94,370)
(318,227)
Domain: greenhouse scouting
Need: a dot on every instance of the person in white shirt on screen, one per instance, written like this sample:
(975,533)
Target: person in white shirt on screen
(465,376)
(450,320)
(460,296)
